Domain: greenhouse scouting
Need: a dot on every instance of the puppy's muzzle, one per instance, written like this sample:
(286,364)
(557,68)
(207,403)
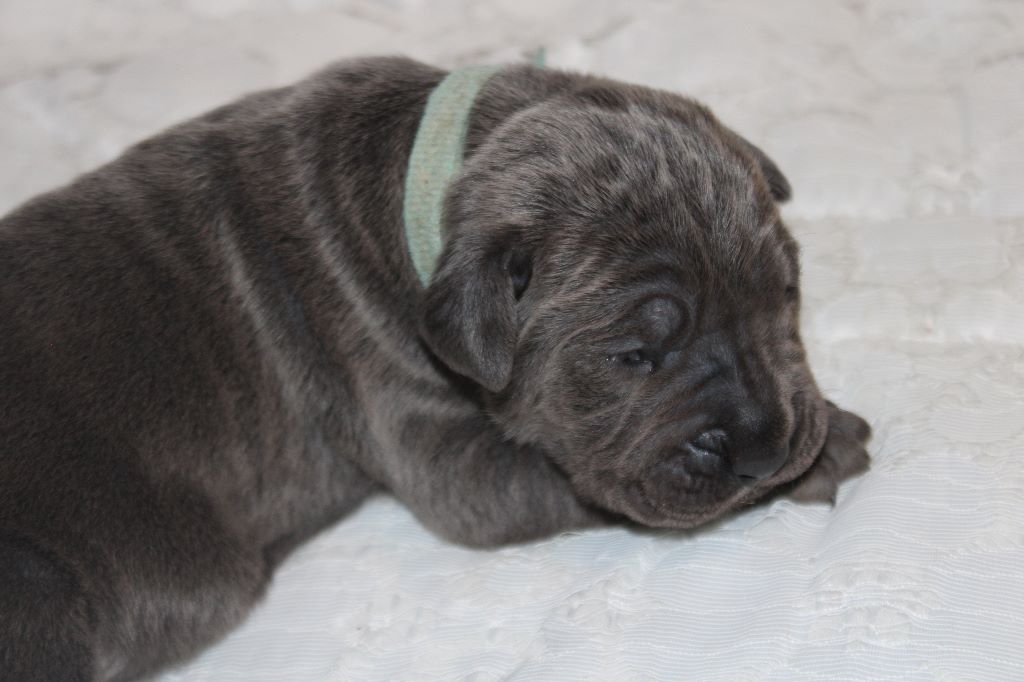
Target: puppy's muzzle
(748,454)
(742,451)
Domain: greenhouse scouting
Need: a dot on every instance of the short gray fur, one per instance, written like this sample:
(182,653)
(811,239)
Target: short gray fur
(216,345)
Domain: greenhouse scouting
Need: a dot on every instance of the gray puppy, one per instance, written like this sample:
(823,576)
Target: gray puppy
(216,345)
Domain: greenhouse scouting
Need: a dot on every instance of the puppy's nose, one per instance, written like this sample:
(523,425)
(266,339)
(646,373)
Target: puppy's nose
(750,460)
(752,464)
(712,441)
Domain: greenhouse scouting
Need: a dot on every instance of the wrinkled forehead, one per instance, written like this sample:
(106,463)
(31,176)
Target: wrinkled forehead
(623,164)
(600,275)
(628,182)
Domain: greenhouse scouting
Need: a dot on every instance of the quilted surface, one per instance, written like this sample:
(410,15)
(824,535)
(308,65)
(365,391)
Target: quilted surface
(901,126)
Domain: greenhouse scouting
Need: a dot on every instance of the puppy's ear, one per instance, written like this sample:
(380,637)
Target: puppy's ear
(777,182)
(468,313)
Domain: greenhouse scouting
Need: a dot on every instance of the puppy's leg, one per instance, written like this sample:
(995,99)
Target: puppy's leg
(44,621)
(470,486)
(107,575)
(155,598)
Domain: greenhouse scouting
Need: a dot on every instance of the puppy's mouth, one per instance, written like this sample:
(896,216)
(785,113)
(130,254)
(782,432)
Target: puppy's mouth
(685,487)
(688,487)
(650,508)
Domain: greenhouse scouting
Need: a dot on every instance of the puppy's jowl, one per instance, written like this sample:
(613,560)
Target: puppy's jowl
(218,344)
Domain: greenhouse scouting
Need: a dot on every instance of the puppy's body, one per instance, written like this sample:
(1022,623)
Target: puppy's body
(209,352)
(213,347)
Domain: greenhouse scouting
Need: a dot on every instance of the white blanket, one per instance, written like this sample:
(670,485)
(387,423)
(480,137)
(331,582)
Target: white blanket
(901,126)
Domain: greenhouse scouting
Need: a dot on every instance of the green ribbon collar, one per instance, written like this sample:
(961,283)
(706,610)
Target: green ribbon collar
(435,159)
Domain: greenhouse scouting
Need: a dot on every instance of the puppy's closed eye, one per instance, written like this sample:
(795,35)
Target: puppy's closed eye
(658,322)
(636,359)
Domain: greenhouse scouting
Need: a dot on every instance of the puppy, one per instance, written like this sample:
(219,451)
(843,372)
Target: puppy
(217,345)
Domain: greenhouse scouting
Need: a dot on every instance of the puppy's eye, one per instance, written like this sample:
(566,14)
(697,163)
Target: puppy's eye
(638,358)
(792,293)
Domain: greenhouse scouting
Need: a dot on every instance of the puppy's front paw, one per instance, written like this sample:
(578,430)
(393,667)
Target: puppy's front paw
(842,457)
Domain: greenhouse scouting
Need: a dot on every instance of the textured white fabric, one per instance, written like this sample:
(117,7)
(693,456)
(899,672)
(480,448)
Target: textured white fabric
(901,126)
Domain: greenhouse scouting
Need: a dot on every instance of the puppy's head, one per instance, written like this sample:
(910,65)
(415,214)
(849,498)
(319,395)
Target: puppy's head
(617,278)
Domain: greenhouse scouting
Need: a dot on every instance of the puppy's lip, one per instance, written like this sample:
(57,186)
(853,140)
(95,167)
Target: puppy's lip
(805,444)
(643,509)
(639,501)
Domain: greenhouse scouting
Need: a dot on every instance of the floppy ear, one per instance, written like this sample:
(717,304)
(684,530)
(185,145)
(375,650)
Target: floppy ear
(777,182)
(468,313)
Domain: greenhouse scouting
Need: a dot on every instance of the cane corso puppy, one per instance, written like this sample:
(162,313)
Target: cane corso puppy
(216,345)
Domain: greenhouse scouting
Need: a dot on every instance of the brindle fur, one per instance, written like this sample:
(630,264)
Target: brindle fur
(216,345)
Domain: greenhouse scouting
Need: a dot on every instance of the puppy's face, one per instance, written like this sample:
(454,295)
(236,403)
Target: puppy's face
(616,276)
